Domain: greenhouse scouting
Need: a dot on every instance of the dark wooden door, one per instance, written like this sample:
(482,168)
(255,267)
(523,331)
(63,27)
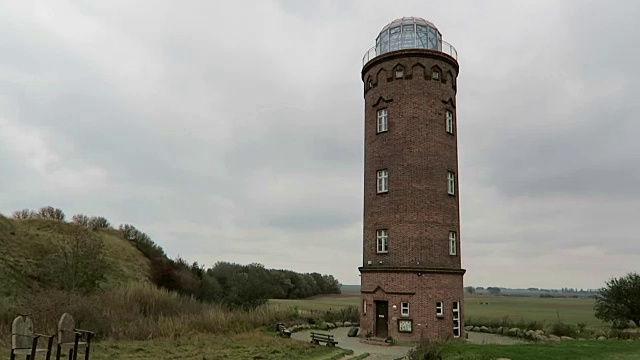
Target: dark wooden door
(382,312)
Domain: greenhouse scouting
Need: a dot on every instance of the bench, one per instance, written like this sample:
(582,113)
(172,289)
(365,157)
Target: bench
(282,330)
(72,340)
(25,342)
(317,338)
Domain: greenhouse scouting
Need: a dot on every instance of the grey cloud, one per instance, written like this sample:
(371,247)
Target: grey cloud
(235,134)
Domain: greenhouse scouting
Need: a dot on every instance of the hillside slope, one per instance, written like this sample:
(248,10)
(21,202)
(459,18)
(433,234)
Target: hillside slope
(25,244)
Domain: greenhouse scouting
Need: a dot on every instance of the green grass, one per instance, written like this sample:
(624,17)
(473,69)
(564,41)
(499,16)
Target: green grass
(255,345)
(583,350)
(319,303)
(570,310)
(25,244)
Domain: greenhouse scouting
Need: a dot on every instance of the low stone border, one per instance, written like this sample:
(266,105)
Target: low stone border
(535,335)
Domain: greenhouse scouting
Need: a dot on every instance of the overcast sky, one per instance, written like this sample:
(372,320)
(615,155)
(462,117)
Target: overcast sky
(233,130)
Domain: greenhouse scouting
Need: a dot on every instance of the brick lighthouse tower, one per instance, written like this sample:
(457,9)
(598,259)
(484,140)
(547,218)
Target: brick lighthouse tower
(411,275)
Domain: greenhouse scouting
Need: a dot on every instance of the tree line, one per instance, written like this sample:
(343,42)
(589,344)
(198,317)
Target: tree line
(234,285)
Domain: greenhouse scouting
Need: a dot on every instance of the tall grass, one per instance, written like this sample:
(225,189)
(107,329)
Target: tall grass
(136,311)
(506,322)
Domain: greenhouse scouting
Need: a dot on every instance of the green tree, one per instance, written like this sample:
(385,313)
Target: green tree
(619,300)
(470,290)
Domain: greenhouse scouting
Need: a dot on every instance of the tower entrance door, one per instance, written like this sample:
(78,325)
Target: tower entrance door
(382,315)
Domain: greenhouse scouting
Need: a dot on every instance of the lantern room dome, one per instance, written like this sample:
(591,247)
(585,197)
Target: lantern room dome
(409,33)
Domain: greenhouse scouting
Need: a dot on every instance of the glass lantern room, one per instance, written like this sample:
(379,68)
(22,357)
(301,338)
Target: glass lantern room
(409,33)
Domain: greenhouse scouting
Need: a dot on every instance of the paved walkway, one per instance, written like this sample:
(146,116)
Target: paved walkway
(396,351)
(340,335)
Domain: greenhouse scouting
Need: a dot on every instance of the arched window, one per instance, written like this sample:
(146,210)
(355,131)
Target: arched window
(436,73)
(399,72)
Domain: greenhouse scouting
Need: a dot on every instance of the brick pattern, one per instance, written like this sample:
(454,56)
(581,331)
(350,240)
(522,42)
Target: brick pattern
(427,288)
(417,210)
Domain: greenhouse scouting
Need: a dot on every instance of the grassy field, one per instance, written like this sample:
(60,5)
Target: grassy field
(583,350)
(255,345)
(548,310)
(320,302)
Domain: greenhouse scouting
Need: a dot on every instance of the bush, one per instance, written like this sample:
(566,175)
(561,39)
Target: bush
(77,263)
(562,329)
(24,214)
(98,222)
(350,313)
(426,350)
(622,335)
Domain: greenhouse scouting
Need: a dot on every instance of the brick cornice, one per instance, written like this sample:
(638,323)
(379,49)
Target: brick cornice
(425,53)
(393,292)
(427,270)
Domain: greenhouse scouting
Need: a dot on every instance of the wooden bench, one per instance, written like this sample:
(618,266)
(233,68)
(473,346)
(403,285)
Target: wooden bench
(71,339)
(25,342)
(282,330)
(317,338)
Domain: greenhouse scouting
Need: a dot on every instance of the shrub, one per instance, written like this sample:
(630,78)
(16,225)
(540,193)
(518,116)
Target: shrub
(426,350)
(51,213)
(98,222)
(350,313)
(80,220)
(24,214)
(77,263)
(622,335)
(562,329)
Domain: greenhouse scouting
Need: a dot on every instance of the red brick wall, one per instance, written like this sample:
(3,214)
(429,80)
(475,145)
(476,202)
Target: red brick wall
(427,288)
(417,211)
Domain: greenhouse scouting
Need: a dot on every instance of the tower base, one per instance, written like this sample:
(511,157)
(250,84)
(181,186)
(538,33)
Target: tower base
(411,304)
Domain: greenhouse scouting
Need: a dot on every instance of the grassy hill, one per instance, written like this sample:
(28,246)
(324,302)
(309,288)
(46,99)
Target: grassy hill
(25,244)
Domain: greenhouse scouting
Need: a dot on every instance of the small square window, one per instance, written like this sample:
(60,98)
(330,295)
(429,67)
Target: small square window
(451,183)
(435,75)
(439,309)
(453,246)
(404,309)
(399,72)
(383,123)
(382,241)
(449,121)
(383,181)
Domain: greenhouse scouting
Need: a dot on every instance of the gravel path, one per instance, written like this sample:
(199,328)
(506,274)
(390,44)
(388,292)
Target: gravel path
(340,335)
(396,351)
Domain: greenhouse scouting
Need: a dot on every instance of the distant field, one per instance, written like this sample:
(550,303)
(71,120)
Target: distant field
(320,302)
(569,310)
